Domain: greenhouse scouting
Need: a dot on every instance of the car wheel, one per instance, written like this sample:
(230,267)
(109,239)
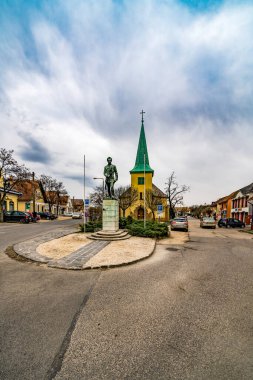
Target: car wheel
(243,226)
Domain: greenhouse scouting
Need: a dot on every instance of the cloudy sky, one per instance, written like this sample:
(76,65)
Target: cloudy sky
(74,76)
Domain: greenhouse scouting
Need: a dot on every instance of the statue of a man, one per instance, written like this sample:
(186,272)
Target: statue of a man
(111,176)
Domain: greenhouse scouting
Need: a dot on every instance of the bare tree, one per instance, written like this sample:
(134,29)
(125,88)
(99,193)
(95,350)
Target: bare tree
(175,193)
(127,196)
(53,190)
(11,174)
(152,201)
(96,198)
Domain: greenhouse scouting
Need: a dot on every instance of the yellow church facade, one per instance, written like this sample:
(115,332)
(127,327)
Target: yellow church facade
(149,201)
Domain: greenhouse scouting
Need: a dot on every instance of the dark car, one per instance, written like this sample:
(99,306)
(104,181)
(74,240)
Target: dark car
(33,217)
(16,216)
(47,215)
(231,223)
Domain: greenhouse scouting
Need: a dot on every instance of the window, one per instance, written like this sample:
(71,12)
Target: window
(11,206)
(141,196)
(140,180)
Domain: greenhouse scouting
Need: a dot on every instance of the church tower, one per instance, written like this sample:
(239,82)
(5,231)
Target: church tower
(142,171)
(142,180)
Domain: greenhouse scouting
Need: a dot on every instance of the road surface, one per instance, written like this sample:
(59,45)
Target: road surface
(185,313)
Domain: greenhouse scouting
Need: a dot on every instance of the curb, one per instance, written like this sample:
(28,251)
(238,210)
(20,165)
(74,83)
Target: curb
(13,254)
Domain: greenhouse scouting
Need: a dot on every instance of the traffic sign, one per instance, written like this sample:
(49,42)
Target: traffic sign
(159,209)
(87,202)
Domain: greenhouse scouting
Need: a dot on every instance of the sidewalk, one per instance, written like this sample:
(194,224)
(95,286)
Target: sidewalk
(67,249)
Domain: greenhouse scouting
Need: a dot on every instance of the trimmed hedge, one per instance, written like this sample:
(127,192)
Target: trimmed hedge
(134,227)
(153,229)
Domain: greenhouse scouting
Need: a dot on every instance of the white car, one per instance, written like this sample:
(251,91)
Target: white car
(77,215)
(68,214)
(180,223)
(207,222)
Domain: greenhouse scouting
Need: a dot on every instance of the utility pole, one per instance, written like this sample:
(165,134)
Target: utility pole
(84,218)
(33,177)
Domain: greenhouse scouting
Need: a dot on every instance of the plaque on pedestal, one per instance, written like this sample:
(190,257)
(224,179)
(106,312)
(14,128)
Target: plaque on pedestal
(110,215)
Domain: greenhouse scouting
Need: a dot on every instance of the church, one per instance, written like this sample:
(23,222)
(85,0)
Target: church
(149,198)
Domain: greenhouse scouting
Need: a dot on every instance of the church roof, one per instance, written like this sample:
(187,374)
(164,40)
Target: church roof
(141,152)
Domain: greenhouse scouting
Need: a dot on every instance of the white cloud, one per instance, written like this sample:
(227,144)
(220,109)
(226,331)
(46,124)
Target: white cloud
(78,83)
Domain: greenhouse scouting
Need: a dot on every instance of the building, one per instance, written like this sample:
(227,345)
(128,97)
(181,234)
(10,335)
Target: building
(10,202)
(224,206)
(32,198)
(77,205)
(242,204)
(150,199)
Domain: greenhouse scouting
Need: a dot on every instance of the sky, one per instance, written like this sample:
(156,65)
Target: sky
(75,75)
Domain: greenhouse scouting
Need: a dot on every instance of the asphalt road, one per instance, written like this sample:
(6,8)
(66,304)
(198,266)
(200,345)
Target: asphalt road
(38,306)
(185,313)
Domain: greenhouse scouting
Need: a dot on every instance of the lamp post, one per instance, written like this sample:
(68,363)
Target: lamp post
(103,183)
(84,218)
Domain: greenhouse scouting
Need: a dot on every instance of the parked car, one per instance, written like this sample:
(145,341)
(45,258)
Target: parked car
(47,215)
(68,214)
(207,222)
(33,217)
(77,215)
(231,223)
(16,216)
(179,224)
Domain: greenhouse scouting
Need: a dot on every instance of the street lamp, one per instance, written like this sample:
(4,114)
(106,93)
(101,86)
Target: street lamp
(103,183)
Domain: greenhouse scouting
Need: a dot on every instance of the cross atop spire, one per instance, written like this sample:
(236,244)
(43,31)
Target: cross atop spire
(142,152)
(142,119)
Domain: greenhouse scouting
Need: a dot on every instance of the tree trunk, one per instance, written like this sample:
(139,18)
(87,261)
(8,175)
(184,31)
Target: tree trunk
(172,213)
(153,213)
(1,213)
(124,213)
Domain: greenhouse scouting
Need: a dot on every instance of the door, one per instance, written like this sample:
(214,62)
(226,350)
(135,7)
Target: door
(140,213)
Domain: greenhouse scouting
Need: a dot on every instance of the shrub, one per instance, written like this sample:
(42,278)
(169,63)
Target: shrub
(153,229)
(90,226)
(124,222)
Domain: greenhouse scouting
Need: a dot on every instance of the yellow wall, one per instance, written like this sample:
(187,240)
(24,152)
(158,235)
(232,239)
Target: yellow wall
(40,206)
(134,181)
(11,198)
(133,210)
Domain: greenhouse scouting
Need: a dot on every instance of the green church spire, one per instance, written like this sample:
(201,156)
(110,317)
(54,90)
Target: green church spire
(142,150)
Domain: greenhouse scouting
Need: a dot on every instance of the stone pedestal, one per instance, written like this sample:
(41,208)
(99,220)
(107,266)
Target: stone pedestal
(110,215)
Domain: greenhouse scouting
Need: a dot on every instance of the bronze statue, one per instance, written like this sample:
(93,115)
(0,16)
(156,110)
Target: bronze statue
(111,176)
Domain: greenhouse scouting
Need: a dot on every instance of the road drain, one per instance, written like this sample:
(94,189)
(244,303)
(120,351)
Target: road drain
(173,249)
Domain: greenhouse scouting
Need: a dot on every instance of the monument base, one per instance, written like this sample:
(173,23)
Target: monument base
(110,215)
(110,231)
